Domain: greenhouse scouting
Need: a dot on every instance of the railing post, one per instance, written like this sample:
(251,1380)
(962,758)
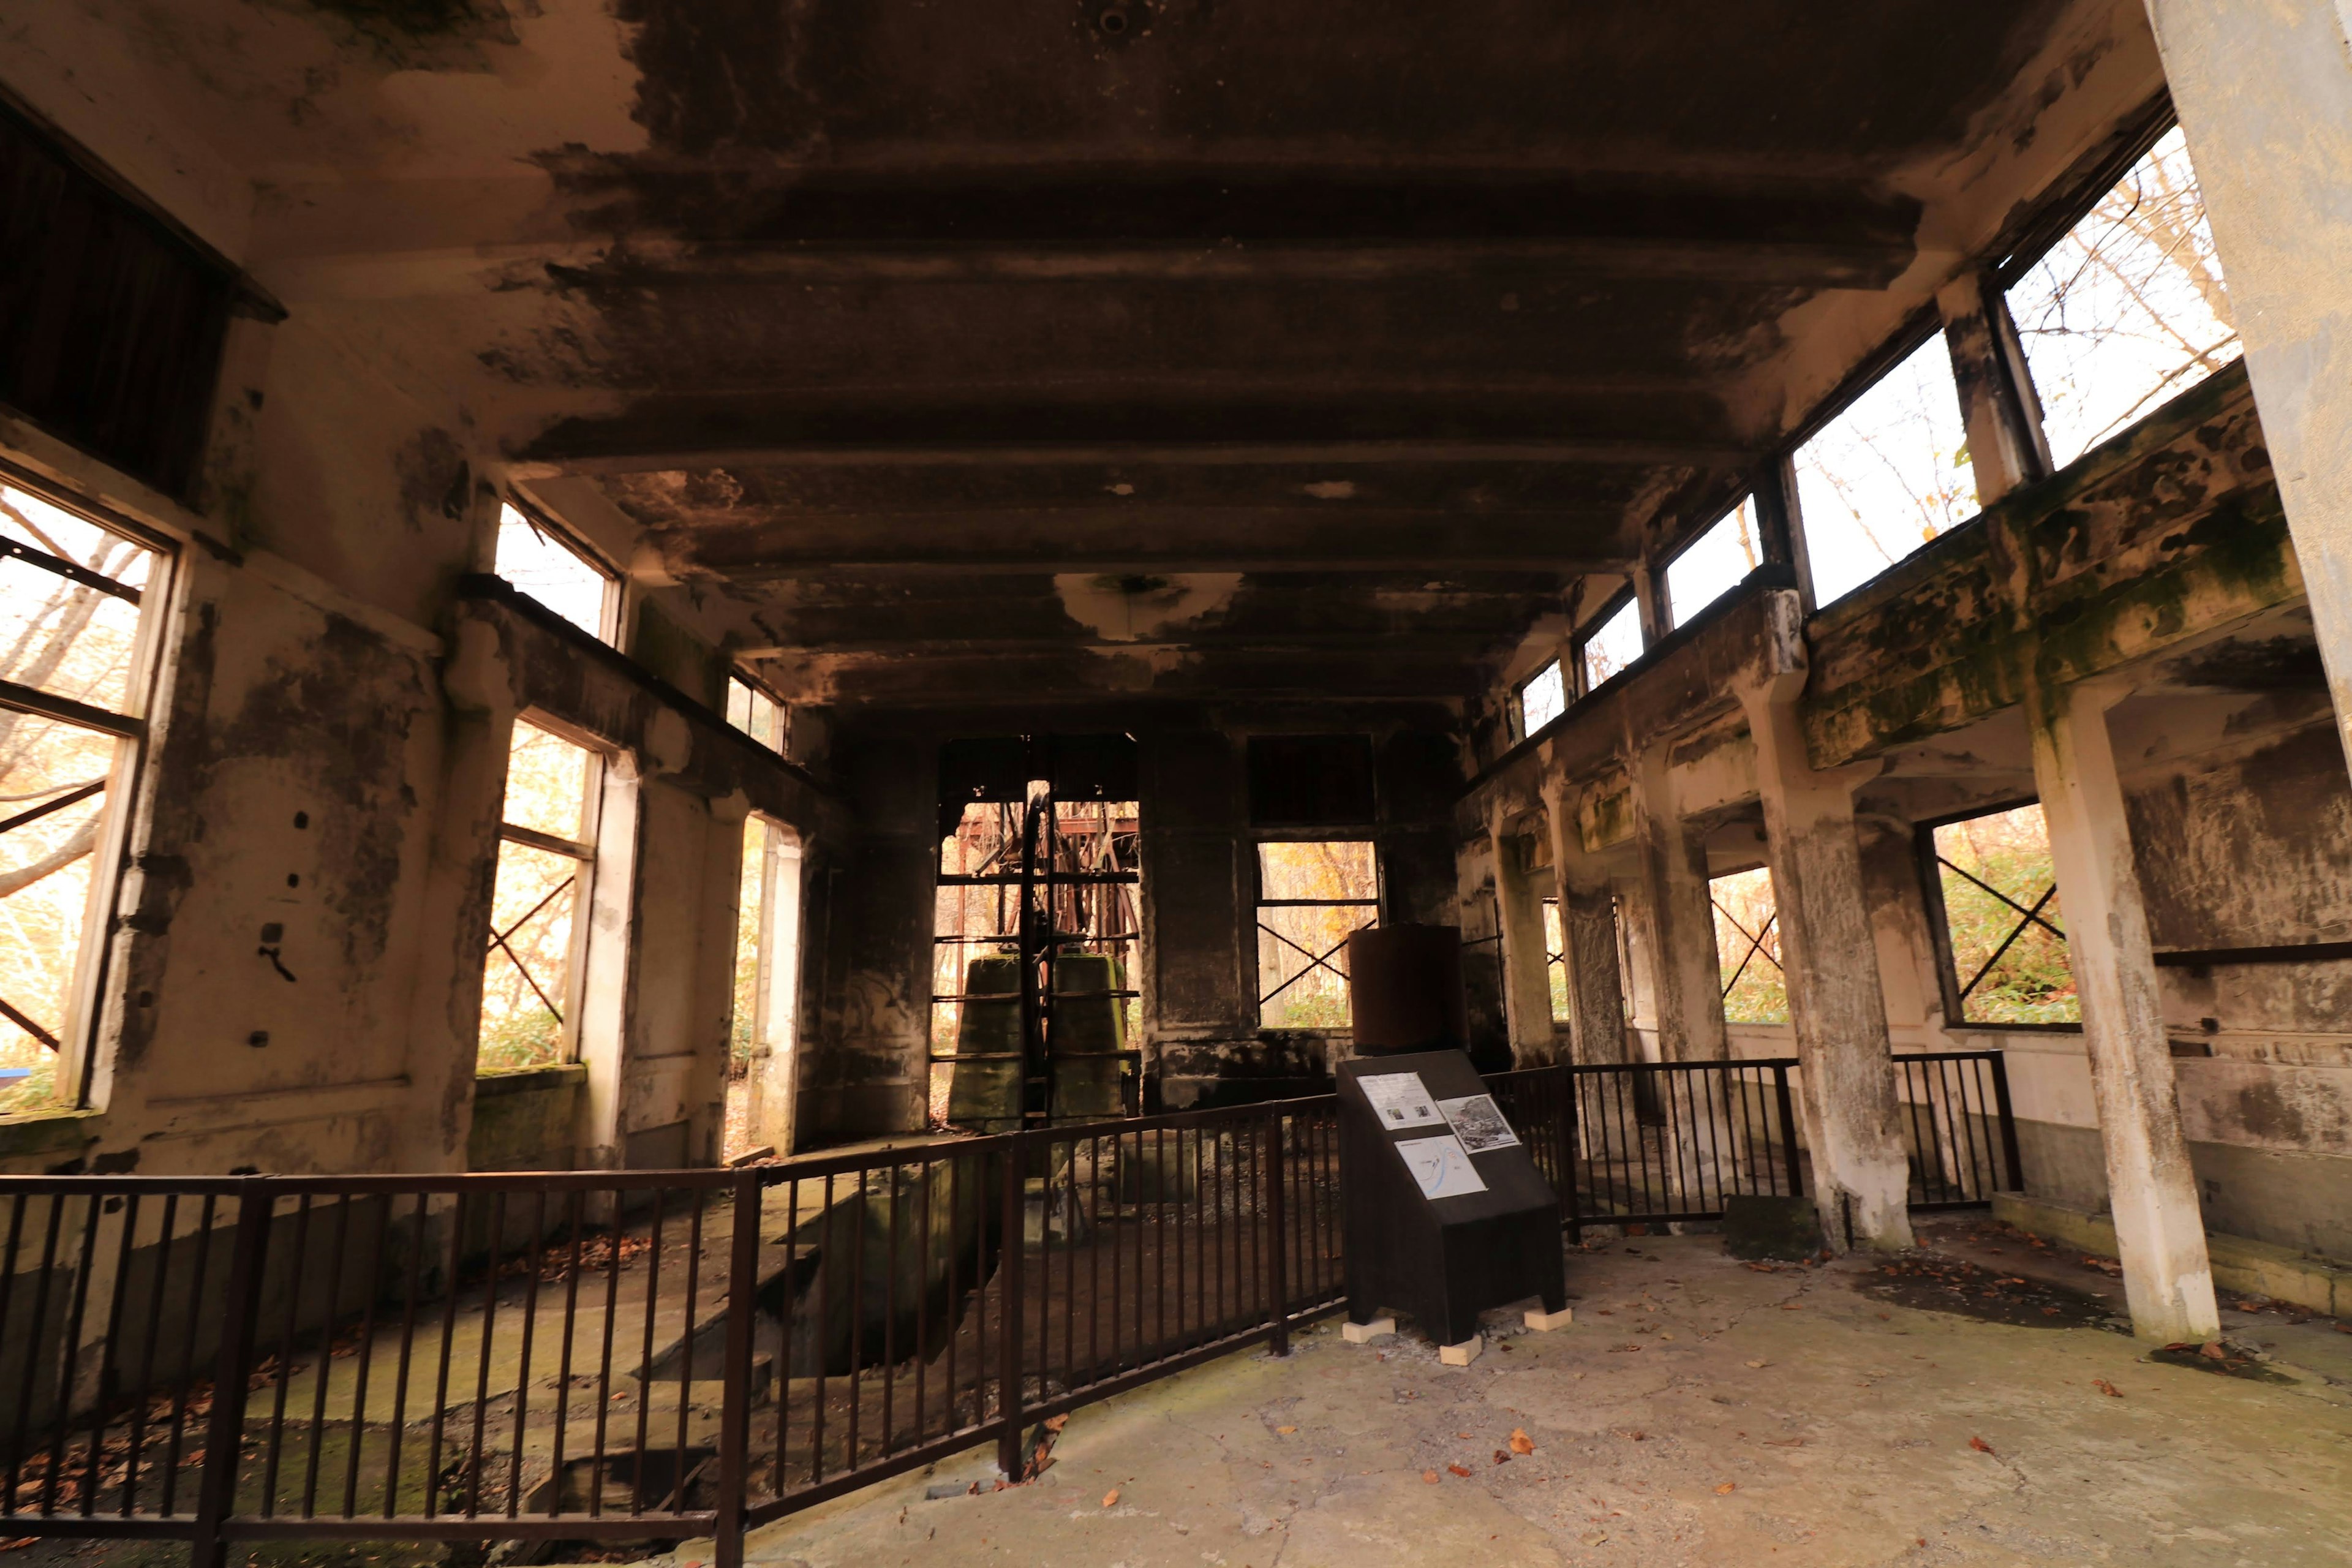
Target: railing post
(225,1432)
(1565,1131)
(1788,1129)
(735,1397)
(2008,1122)
(1278,1219)
(1009,1400)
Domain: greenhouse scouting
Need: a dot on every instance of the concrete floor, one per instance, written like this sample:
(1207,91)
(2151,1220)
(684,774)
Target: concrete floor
(1700,1410)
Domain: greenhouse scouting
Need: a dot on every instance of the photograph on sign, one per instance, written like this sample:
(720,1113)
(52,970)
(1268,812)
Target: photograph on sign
(1441,1166)
(1399,1100)
(1477,1121)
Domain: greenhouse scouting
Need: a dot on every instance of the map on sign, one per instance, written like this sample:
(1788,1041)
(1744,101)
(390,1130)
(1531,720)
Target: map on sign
(1441,1166)
(1478,1122)
(1400,1102)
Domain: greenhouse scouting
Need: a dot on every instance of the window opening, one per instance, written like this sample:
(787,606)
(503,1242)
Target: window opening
(2130,308)
(545,848)
(1713,564)
(1748,945)
(1312,897)
(1038,928)
(1887,475)
(756,713)
(2006,952)
(543,564)
(767,990)
(73,592)
(1543,696)
(1556,961)
(1612,646)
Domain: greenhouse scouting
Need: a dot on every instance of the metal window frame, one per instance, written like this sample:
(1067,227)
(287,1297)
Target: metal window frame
(582,850)
(1928,863)
(1377,903)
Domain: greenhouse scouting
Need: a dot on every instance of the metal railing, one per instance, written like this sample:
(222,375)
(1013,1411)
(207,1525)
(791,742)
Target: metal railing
(1958,1129)
(606,1356)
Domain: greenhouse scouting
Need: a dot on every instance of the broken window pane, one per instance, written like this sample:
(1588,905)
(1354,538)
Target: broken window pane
(1556,961)
(1311,897)
(1542,699)
(2010,961)
(1613,645)
(527,974)
(2128,311)
(1747,944)
(543,565)
(71,593)
(1886,476)
(1715,562)
(755,713)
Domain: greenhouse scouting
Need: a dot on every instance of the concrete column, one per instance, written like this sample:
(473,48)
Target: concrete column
(2264,94)
(1830,956)
(1526,979)
(1681,916)
(2006,446)
(1588,930)
(2167,1279)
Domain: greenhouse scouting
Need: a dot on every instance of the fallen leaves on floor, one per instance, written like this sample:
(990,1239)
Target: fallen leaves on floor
(1286,1431)
(1458,1470)
(1981,1446)
(1110,1497)
(2109,1389)
(1520,1442)
(1429,1476)
(1726,1488)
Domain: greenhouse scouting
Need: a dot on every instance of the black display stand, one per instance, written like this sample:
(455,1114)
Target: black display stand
(1443,1260)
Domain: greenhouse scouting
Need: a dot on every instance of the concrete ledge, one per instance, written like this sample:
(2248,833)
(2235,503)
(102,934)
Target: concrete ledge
(46,1135)
(2247,1268)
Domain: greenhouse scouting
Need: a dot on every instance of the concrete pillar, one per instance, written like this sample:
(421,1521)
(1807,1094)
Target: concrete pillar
(2006,446)
(1681,916)
(1588,931)
(1830,956)
(2264,94)
(2167,1279)
(1527,979)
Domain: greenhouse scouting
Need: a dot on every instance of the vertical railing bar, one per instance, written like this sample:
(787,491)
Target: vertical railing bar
(188,1358)
(1910,1088)
(1939,1124)
(1008,1372)
(694,1199)
(282,1376)
(1705,1089)
(482,1359)
(171,1221)
(929,1166)
(448,1347)
(7,1299)
(828,1223)
(1795,1156)
(523,1370)
(1205,1245)
(86,1266)
(599,1466)
(735,1378)
(1278,1280)
(980,1277)
(857,1319)
(93,1471)
(325,1354)
(1981,1132)
(417,1214)
(1070,1275)
(1160,1238)
(791,1308)
(1093,1255)
(2010,1154)
(371,1292)
(574,1206)
(1218,1230)
(224,1429)
(890,1321)
(646,1356)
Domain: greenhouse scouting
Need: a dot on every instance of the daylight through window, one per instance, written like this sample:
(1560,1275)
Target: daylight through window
(541,564)
(71,597)
(1311,897)
(1748,945)
(1556,961)
(1999,900)
(755,713)
(544,852)
(1612,646)
(2128,310)
(1543,698)
(1715,562)
(1887,475)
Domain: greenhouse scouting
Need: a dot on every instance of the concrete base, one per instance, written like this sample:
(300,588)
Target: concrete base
(2239,1266)
(1365,1333)
(1544,1323)
(1463,1354)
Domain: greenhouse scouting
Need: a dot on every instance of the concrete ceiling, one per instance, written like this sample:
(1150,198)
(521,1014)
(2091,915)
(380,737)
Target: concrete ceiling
(1035,347)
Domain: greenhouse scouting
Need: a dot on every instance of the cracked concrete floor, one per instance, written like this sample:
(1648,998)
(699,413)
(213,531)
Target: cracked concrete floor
(1700,1410)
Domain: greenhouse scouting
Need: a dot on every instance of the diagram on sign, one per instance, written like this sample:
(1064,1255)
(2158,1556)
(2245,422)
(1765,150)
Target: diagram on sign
(1400,1101)
(1478,1122)
(1441,1166)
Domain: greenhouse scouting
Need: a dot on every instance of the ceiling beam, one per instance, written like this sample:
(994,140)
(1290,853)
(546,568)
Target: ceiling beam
(580,451)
